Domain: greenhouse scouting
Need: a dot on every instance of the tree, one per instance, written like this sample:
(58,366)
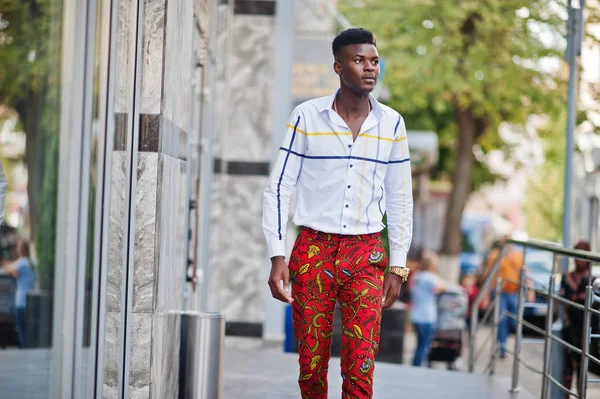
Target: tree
(30,82)
(462,68)
(30,41)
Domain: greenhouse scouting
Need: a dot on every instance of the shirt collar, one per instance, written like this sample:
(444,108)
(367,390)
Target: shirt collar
(326,104)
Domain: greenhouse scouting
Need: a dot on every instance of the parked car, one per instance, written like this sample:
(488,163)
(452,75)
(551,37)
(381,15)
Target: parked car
(540,265)
(473,232)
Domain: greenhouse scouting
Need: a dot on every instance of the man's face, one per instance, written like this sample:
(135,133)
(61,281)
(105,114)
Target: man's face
(358,67)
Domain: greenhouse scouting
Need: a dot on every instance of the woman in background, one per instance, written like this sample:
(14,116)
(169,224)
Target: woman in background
(22,270)
(424,287)
(468,284)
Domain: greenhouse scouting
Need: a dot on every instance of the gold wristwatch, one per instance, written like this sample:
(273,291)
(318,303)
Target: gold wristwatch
(400,271)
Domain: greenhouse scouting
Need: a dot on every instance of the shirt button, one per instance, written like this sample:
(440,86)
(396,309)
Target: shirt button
(349,186)
(344,226)
(350,165)
(347,205)
(349,145)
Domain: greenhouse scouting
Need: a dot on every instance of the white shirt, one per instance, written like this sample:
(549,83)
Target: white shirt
(343,187)
(2,192)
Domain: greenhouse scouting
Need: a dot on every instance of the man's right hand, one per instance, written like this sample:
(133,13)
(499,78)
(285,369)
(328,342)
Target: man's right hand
(280,272)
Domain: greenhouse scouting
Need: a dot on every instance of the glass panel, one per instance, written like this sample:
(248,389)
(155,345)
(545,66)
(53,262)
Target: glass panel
(97,139)
(30,77)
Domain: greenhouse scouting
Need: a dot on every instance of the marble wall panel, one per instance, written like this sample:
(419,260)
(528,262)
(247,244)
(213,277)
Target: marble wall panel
(145,232)
(152,56)
(112,355)
(166,337)
(125,55)
(251,94)
(312,18)
(116,230)
(140,355)
(171,235)
(238,253)
(202,15)
(222,86)
(178,62)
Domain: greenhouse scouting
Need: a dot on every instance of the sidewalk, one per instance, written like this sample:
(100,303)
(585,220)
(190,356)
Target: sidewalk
(532,353)
(254,371)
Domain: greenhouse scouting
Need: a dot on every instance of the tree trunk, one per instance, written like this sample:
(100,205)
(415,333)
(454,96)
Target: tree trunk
(462,177)
(35,147)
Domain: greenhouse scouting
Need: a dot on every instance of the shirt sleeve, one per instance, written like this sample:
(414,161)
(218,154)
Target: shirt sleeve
(399,201)
(3,188)
(282,183)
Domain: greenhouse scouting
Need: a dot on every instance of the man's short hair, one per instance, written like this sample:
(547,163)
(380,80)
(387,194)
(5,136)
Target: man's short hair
(352,36)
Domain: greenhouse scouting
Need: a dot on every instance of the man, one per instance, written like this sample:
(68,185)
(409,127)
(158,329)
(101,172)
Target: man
(572,287)
(510,272)
(2,192)
(347,157)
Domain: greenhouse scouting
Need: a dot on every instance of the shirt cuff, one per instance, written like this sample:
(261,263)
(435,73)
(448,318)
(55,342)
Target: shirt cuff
(276,248)
(398,258)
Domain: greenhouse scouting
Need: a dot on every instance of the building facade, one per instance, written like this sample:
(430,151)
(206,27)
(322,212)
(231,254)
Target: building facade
(104,105)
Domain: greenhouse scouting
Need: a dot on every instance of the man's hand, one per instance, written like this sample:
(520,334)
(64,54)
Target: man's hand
(279,272)
(391,289)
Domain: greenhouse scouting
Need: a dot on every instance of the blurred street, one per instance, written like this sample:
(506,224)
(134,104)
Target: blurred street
(159,160)
(255,372)
(254,369)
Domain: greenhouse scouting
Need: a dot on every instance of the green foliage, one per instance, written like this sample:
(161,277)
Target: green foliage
(45,234)
(482,55)
(8,164)
(544,206)
(30,83)
(29,50)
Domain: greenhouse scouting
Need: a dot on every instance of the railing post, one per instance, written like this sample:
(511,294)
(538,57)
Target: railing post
(585,343)
(548,333)
(472,338)
(518,332)
(494,344)
(489,277)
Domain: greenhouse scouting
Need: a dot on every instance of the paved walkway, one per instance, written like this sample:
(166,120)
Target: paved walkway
(252,371)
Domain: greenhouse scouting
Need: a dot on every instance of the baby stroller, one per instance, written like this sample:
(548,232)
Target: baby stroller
(446,345)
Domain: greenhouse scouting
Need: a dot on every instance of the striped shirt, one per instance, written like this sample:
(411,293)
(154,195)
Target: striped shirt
(343,186)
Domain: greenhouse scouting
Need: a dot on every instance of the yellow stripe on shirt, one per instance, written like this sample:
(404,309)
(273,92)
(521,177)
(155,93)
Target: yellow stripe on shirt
(321,133)
(346,134)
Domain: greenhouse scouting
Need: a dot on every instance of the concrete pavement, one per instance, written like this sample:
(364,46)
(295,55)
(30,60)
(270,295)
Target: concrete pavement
(253,371)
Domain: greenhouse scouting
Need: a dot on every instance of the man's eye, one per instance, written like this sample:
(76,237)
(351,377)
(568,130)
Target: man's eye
(376,62)
(358,61)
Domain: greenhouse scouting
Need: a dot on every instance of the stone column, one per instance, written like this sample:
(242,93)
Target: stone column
(239,261)
(242,151)
(159,197)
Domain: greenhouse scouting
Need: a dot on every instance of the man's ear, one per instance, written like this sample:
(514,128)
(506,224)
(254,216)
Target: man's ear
(337,67)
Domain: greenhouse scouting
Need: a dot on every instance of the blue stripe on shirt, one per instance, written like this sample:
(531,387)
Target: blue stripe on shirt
(397,124)
(341,157)
(381,211)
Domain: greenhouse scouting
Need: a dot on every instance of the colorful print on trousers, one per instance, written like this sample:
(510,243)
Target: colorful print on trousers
(325,269)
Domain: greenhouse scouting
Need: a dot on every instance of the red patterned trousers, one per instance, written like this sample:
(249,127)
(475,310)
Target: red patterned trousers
(324,269)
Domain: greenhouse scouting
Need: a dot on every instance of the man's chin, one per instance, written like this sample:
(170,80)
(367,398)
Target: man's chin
(364,89)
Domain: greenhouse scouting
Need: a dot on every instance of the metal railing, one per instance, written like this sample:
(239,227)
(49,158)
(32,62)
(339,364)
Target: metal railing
(548,336)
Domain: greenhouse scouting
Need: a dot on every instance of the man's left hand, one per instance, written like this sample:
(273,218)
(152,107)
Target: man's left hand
(391,289)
